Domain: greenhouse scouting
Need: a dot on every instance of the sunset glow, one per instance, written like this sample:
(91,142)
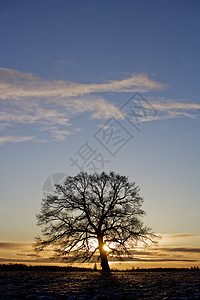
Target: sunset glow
(106,248)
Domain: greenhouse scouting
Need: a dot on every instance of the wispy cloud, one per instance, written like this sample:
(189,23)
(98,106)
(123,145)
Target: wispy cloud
(17,84)
(174,108)
(159,108)
(183,235)
(22,252)
(181,249)
(14,245)
(25,261)
(175,236)
(28,255)
(15,139)
(27,100)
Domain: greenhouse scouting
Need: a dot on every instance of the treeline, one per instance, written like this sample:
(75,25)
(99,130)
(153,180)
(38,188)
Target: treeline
(23,267)
(163,269)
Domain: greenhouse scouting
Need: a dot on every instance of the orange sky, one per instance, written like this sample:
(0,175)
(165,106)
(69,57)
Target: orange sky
(173,250)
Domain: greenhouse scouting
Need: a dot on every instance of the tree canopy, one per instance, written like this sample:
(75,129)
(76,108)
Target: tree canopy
(93,216)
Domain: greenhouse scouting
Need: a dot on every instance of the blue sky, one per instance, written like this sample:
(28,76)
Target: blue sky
(66,70)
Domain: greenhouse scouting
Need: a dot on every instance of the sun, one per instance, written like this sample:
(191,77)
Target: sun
(106,248)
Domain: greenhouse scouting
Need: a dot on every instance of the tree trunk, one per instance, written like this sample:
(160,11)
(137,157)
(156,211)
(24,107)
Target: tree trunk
(103,254)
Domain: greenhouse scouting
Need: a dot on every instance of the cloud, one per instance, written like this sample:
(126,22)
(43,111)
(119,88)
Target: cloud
(28,100)
(180,249)
(14,245)
(168,260)
(153,260)
(28,255)
(37,260)
(179,235)
(15,139)
(15,84)
(11,251)
(171,108)
(158,108)
(45,108)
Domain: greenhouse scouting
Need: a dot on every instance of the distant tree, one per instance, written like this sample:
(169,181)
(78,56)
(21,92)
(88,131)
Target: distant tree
(90,215)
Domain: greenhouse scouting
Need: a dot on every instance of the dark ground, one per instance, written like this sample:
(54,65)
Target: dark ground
(95,285)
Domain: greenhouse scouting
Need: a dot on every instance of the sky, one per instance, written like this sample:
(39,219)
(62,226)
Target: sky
(101,86)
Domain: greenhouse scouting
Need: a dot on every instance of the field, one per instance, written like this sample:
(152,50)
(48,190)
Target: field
(95,285)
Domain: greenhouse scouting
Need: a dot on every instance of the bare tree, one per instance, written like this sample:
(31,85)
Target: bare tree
(105,208)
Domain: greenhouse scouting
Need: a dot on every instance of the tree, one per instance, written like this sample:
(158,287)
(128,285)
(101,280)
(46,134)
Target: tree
(90,214)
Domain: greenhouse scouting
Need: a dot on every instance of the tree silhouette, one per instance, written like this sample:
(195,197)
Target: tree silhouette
(88,212)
